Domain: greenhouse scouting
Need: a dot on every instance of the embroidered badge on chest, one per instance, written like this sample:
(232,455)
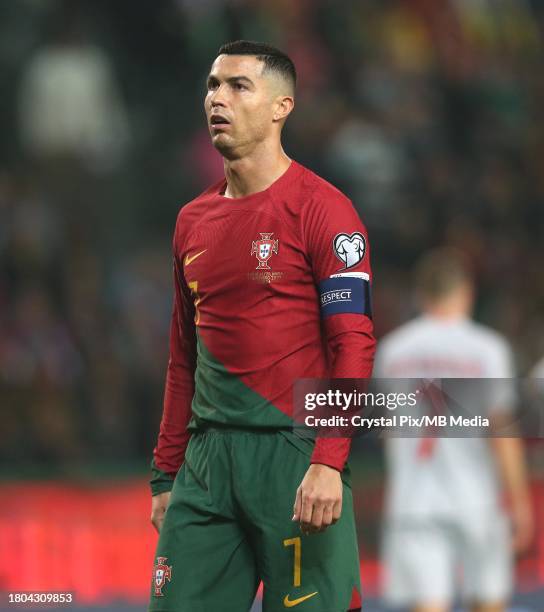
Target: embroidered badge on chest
(263,249)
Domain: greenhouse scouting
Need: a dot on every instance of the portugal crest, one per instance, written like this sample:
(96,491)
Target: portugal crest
(161,573)
(263,249)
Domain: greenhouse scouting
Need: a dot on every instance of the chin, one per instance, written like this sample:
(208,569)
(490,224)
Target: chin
(222,144)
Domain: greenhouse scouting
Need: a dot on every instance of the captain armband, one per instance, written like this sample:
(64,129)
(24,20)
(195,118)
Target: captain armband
(347,292)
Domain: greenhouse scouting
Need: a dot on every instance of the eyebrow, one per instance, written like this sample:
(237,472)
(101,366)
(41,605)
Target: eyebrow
(231,79)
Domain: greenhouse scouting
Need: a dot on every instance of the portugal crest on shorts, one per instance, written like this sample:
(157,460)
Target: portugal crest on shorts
(263,249)
(161,573)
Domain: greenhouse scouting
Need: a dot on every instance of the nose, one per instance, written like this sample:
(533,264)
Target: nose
(217,97)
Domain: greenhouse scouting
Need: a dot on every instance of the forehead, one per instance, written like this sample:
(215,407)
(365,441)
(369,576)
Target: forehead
(226,66)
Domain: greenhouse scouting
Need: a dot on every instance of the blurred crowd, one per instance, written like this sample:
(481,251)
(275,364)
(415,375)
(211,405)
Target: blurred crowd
(429,114)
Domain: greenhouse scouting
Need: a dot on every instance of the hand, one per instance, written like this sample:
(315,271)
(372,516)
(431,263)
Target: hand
(318,502)
(159,504)
(521,515)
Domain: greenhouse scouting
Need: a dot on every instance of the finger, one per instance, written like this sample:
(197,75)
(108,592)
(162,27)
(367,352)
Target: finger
(327,519)
(306,510)
(157,518)
(317,516)
(337,510)
(327,516)
(298,505)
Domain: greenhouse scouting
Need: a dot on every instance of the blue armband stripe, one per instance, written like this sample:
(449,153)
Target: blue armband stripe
(345,294)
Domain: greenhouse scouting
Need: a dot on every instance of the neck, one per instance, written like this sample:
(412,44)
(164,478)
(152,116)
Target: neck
(254,172)
(446,311)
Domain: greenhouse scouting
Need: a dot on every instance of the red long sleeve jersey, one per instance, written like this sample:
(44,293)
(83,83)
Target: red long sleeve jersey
(256,307)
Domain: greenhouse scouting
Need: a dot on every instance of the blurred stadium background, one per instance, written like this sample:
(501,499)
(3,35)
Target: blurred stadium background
(428,113)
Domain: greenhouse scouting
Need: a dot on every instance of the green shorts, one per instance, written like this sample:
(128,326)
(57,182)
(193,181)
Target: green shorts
(229,525)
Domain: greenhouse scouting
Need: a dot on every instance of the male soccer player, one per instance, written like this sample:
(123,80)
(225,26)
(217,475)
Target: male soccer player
(445,518)
(252,255)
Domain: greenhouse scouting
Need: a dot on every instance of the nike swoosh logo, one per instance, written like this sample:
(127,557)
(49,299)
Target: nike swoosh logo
(189,260)
(291,603)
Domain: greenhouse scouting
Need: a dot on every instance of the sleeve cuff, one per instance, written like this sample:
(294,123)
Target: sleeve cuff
(332,452)
(160,481)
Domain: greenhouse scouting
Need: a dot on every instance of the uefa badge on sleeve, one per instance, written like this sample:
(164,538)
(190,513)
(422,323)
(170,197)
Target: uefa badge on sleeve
(161,573)
(350,249)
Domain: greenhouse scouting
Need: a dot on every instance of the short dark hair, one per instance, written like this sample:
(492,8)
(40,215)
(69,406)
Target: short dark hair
(440,272)
(273,59)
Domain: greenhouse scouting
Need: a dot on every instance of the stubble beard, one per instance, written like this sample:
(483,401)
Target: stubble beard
(229,148)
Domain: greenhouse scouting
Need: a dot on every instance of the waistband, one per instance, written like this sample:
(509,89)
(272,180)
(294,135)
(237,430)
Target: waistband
(218,428)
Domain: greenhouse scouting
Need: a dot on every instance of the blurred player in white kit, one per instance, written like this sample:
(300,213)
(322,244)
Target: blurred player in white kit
(457,509)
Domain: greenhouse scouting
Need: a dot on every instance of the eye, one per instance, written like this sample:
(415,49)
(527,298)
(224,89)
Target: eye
(239,86)
(212,85)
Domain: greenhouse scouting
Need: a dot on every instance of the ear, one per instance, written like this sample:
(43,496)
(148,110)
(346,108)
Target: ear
(283,105)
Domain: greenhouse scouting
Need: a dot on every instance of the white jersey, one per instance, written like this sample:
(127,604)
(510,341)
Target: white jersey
(537,374)
(458,479)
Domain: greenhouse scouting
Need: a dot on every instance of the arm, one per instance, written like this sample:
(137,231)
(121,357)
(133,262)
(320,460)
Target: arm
(351,347)
(169,452)
(508,449)
(510,461)
(348,334)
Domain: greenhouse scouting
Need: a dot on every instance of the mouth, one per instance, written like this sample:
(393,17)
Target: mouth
(218,122)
